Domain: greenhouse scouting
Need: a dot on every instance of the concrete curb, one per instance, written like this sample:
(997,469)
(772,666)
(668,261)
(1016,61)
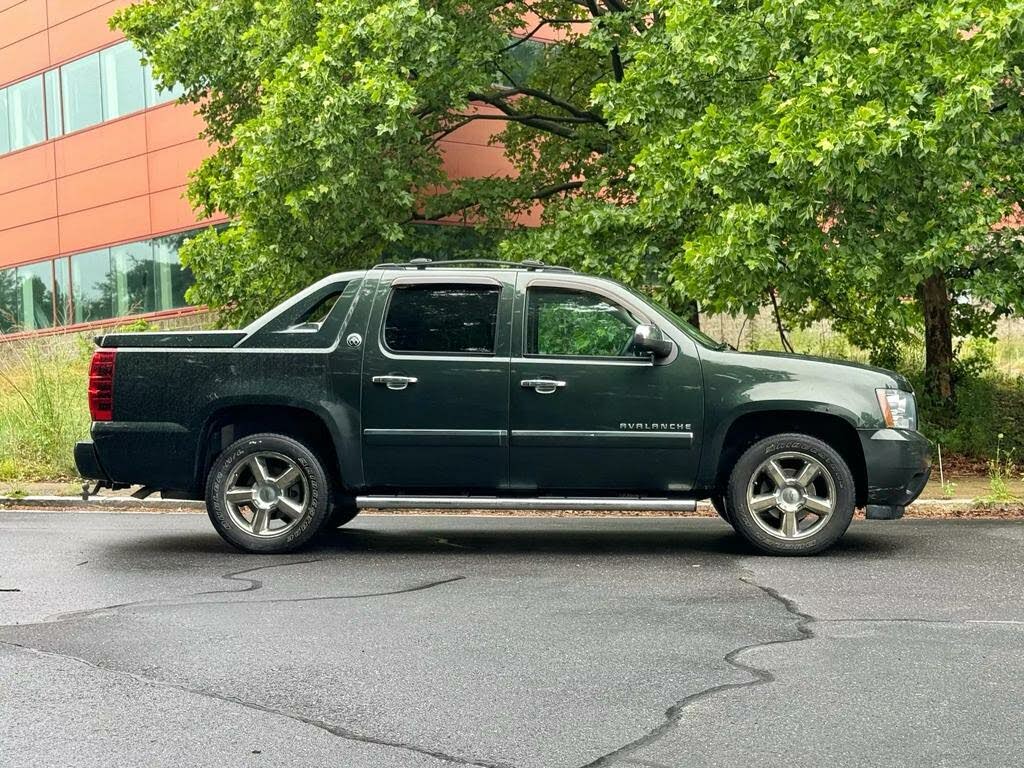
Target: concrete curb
(112,503)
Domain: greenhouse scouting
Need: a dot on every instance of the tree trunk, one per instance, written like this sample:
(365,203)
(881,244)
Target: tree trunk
(938,337)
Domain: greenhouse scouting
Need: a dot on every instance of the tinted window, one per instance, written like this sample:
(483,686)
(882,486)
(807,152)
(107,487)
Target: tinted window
(439,317)
(568,323)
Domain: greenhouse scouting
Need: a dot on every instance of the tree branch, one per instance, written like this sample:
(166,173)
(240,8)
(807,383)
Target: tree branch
(541,194)
(555,102)
(786,346)
(534,121)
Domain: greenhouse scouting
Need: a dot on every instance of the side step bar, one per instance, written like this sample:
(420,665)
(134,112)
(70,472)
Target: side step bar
(538,503)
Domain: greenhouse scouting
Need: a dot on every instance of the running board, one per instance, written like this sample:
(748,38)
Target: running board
(546,502)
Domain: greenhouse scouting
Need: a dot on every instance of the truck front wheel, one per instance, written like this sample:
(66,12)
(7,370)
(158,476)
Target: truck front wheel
(267,493)
(791,494)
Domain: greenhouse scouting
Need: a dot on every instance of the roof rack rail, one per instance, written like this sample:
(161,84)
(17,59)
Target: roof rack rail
(528,264)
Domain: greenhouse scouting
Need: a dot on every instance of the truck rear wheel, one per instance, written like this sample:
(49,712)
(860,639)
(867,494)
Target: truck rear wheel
(791,494)
(267,493)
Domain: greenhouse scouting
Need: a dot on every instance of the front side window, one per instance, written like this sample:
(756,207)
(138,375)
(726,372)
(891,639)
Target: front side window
(563,322)
(450,318)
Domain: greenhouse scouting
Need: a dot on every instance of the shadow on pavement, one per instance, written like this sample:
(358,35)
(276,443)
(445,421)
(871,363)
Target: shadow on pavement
(497,537)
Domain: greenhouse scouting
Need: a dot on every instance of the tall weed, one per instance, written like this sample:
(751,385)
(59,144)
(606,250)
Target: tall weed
(43,407)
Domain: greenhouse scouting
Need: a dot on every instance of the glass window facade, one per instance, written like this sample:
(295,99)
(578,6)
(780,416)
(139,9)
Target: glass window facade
(5,130)
(123,81)
(25,117)
(123,280)
(79,94)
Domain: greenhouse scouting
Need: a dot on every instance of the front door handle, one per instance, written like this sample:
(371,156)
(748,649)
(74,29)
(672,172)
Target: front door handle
(542,386)
(395,382)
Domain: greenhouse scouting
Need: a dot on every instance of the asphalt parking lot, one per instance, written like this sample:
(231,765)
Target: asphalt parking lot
(141,640)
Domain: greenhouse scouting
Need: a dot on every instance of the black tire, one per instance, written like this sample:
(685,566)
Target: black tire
(315,488)
(718,502)
(819,533)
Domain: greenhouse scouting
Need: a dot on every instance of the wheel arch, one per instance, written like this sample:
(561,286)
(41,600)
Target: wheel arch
(752,426)
(230,422)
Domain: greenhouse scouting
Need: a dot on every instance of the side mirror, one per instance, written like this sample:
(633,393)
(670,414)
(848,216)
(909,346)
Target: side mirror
(648,338)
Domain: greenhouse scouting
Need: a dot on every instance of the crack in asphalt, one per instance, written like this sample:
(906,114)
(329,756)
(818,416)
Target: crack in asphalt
(334,730)
(254,584)
(231,575)
(759,677)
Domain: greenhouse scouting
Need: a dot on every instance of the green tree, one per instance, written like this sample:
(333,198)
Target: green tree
(844,160)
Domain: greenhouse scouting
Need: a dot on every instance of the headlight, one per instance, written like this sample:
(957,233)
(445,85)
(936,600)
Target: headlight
(898,408)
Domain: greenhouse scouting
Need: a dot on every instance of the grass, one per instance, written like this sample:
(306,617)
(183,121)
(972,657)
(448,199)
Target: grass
(43,408)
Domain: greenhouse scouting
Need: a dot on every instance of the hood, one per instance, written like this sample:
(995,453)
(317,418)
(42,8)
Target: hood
(886,377)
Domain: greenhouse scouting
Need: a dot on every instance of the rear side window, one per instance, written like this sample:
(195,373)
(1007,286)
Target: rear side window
(448,318)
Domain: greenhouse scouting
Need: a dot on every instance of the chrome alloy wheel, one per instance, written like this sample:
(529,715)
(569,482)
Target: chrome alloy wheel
(791,495)
(266,494)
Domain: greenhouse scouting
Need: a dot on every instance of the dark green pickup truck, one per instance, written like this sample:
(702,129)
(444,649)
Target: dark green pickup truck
(484,385)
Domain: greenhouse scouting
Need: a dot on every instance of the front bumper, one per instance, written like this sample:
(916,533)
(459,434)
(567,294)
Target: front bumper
(898,462)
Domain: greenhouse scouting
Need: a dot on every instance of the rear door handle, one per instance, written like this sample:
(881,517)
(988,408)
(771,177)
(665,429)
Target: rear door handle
(542,386)
(395,382)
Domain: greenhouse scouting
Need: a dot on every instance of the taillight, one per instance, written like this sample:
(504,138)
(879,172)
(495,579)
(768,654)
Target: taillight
(101,385)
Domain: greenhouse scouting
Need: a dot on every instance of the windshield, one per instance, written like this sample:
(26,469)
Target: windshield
(695,333)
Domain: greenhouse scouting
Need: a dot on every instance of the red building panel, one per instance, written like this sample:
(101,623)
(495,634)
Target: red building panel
(100,145)
(84,32)
(29,242)
(27,205)
(105,224)
(170,125)
(23,57)
(171,166)
(21,20)
(110,183)
(26,168)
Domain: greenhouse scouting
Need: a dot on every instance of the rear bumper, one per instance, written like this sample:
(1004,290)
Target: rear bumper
(88,462)
(156,454)
(899,462)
